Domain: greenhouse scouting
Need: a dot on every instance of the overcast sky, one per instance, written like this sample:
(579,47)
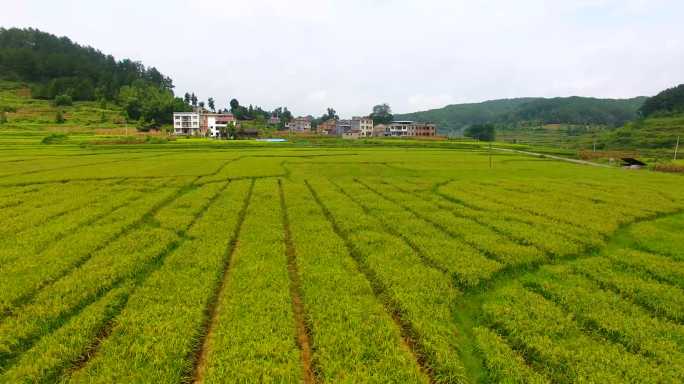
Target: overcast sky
(352,54)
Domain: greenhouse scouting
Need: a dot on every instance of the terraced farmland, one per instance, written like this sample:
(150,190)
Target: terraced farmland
(207,264)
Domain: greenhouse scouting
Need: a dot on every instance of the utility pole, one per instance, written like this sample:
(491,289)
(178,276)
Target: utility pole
(594,144)
(676,148)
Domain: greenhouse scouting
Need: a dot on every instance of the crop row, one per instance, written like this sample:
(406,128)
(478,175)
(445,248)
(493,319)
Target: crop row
(439,247)
(662,299)
(166,315)
(130,256)
(253,333)
(553,343)
(481,237)
(353,337)
(27,274)
(612,316)
(419,295)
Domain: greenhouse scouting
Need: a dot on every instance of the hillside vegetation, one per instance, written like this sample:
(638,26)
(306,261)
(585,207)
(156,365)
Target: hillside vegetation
(452,119)
(58,69)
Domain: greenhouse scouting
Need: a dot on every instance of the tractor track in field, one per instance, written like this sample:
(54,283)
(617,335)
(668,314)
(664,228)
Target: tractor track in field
(304,334)
(407,331)
(200,356)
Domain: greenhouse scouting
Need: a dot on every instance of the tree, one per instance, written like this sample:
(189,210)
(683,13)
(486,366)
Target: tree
(186,98)
(382,114)
(483,132)
(193,100)
(201,104)
(234,105)
(3,117)
(210,102)
(668,101)
(63,100)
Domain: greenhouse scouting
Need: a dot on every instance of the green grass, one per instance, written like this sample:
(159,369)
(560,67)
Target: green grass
(329,261)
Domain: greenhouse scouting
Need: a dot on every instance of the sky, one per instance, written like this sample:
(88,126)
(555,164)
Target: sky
(415,55)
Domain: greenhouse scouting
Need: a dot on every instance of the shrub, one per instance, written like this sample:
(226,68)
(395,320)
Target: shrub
(54,138)
(3,117)
(63,100)
(59,118)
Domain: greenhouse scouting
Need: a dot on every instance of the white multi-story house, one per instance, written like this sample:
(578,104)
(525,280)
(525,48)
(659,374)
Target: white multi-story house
(186,123)
(200,123)
(363,125)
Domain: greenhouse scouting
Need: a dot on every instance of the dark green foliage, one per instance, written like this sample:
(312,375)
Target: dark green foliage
(382,114)
(150,105)
(210,103)
(63,100)
(482,132)
(59,118)
(511,112)
(666,102)
(56,66)
(3,117)
(54,138)
(248,113)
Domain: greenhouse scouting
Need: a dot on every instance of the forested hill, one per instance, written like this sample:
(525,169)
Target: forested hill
(560,110)
(55,68)
(56,65)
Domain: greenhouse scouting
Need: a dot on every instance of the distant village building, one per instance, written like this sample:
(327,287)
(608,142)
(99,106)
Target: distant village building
(328,127)
(274,120)
(379,130)
(364,125)
(300,124)
(342,126)
(201,123)
(408,128)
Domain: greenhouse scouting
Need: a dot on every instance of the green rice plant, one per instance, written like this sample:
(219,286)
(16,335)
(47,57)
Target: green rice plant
(503,364)
(27,275)
(556,345)
(253,333)
(661,268)
(664,236)
(27,243)
(467,266)
(55,353)
(469,231)
(174,299)
(419,295)
(663,299)
(354,339)
(612,316)
(129,256)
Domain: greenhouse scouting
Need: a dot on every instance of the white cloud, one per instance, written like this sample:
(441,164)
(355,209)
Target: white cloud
(351,54)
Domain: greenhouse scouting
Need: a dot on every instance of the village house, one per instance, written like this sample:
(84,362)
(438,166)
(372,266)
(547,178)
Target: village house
(342,126)
(328,127)
(364,125)
(406,128)
(201,123)
(274,120)
(300,124)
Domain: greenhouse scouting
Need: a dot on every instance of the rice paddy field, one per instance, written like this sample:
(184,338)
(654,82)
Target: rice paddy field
(182,263)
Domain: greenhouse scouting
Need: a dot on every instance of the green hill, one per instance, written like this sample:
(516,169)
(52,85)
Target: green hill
(52,67)
(452,119)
